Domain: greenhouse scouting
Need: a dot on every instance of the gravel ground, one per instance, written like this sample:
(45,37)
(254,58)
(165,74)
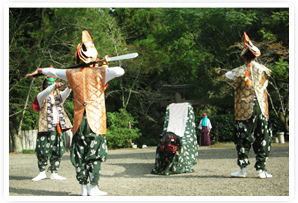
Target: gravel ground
(127,173)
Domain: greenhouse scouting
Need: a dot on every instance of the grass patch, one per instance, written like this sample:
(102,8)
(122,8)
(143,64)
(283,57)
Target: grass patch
(28,151)
(224,145)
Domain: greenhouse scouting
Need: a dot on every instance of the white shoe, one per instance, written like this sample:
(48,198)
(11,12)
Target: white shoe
(40,176)
(264,174)
(55,176)
(94,191)
(84,190)
(242,173)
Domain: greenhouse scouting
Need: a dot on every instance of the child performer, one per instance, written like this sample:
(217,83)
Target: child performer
(52,122)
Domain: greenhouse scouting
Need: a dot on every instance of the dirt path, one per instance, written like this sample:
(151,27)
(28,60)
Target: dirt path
(127,173)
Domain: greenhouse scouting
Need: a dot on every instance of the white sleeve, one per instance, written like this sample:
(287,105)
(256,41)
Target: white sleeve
(45,93)
(200,125)
(112,73)
(209,124)
(229,75)
(65,94)
(59,73)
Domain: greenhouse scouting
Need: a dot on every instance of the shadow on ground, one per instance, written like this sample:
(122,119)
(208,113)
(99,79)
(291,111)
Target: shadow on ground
(31,192)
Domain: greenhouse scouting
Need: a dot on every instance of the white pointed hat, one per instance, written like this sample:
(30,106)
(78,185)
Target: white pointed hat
(86,50)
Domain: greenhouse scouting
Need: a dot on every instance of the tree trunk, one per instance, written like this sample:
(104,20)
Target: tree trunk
(287,123)
(19,137)
(16,144)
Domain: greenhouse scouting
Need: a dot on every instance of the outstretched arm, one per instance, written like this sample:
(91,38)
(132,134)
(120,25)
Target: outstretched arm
(229,75)
(59,73)
(36,72)
(111,73)
(114,72)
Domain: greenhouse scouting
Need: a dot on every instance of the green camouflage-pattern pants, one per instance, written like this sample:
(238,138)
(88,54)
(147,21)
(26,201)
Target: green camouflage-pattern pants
(87,152)
(255,132)
(49,145)
(187,154)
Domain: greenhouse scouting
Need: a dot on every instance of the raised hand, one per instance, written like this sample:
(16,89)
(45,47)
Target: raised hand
(58,85)
(36,72)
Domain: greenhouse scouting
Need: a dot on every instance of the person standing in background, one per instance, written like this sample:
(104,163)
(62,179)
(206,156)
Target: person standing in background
(205,127)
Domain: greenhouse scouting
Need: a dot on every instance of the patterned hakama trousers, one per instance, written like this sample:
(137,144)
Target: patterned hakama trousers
(49,145)
(87,152)
(253,132)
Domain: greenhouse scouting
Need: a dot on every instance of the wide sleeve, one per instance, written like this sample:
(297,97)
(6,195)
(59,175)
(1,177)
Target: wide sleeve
(65,94)
(45,93)
(239,72)
(200,125)
(59,73)
(229,75)
(209,126)
(114,72)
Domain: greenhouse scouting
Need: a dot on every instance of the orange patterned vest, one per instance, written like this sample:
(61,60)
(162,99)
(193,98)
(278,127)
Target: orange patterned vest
(244,95)
(87,85)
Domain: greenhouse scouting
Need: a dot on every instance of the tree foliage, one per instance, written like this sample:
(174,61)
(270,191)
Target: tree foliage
(121,131)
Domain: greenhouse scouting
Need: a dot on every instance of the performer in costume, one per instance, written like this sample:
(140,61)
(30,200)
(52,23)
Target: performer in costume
(177,151)
(52,122)
(205,127)
(89,146)
(251,111)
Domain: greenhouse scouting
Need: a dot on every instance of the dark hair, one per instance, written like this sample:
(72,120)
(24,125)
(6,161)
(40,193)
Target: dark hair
(44,84)
(248,56)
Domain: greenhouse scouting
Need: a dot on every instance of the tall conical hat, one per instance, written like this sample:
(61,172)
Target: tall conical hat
(249,46)
(86,50)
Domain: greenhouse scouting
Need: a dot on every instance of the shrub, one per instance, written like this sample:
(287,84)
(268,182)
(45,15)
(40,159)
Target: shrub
(119,134)
(277,125)
(222,128)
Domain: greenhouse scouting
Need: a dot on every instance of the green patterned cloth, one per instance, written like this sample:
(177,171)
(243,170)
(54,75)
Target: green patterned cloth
(87,152)
(49,146)
(187,154)
(254,132)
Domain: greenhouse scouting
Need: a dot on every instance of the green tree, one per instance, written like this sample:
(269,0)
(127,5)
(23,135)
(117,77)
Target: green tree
(121,131)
